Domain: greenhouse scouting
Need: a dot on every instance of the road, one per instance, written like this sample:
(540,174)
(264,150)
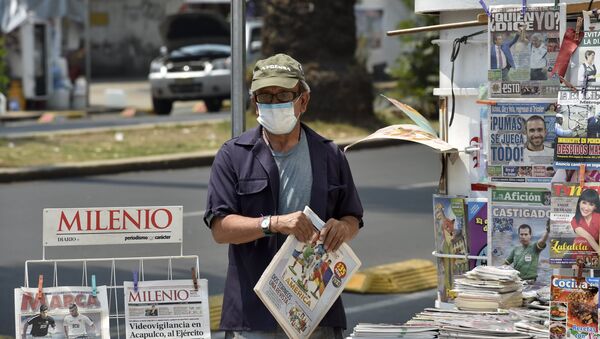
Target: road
(395,185)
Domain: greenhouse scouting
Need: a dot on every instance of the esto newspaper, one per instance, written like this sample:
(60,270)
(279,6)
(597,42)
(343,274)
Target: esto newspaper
(520,219)
(523,47)
(521,137)
(62,312)
(575,224)
(302,282)
(167,309)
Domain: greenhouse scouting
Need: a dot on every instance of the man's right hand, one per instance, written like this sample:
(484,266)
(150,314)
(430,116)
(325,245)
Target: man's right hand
(296,223)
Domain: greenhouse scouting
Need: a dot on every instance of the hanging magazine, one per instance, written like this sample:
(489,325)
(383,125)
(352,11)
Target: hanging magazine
(574,307)
(449,219)
(520,219)
(477,228)
(521,137)
(524,46)
(575,221)
(303,281)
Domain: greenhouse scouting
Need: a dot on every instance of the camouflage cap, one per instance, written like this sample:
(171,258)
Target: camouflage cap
(279,70)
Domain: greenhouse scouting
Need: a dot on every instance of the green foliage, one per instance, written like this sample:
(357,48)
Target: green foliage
(4,80)
(417,68)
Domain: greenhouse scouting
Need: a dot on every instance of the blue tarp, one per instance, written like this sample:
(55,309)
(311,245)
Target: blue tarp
(14,12)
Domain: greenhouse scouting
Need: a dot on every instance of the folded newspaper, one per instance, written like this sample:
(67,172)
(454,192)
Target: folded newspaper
(303,281)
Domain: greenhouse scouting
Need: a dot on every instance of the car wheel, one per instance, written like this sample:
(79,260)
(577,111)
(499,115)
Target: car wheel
(213,104)
(162,106)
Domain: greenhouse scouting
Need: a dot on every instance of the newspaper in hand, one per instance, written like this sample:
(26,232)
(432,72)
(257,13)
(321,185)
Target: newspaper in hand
(303,281)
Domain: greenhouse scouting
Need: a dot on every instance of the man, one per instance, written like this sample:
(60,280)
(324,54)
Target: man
(75,324)
(560,131)
(261,181)
(40,323)
(500,54)
(593,126)
(537,61)
(535,152)
(525,258)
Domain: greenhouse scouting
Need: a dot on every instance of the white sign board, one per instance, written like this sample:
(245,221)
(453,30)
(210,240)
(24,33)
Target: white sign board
(112,225)
(167,309)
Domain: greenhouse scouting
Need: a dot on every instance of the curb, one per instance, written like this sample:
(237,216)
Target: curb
(160,162)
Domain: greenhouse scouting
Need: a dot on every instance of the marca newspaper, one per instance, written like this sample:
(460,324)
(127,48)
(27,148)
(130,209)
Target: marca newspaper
(167,309)
(303,281)
(523,47)
(91,320)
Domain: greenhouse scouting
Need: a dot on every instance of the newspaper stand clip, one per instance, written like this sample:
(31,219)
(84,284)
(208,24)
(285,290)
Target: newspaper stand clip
(94,290)
(578,27)
(523,7)
(40,293)
(578,268)
(567,83)
(194,279)
(135,281)
(581,174)
(485,8)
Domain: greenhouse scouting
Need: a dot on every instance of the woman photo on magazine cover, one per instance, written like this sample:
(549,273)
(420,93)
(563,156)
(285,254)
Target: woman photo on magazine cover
(586,222)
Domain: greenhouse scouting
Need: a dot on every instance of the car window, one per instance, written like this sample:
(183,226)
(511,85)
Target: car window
(204,50)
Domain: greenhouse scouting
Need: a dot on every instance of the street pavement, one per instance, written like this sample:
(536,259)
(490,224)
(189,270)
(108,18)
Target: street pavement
(395,185)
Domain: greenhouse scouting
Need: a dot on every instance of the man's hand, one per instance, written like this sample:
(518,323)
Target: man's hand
(296,223)
(334,233)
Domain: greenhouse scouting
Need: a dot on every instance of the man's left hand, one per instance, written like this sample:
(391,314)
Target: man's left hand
(333,234)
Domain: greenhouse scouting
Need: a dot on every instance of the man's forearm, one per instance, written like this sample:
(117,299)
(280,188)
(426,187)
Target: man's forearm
(352,226)
(236,229)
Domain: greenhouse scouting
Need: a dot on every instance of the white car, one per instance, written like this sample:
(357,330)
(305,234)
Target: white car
(195,63)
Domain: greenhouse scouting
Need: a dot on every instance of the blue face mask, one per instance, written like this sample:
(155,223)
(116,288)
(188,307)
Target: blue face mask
(277,118)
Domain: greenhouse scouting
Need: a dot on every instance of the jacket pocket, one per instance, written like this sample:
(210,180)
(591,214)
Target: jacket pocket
(251,186)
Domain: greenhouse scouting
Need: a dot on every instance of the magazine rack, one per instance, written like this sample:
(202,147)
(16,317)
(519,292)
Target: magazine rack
(177,262)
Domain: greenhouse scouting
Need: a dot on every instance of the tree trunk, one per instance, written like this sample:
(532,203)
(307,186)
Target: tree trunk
(321,35)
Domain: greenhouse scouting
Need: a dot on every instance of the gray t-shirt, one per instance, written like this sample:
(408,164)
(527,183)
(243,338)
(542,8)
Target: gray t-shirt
(295,177)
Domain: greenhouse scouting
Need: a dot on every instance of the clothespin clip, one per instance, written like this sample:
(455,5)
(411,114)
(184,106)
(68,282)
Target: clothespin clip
(556,5)
(581,175)
(40,292)
(579,269)
(578,28)
(486,102)
(485,8)
(524,7)
(194,278)
(94,291)
(135,281)
(567,83)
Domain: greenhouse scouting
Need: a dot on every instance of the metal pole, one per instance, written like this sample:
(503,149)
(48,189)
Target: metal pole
(238,58)
(88,53)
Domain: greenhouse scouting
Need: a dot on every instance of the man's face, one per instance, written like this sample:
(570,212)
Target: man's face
(552,46)
(499,39)
(535,41)
(44,314)
(524,236)
(74,312)
(536,132)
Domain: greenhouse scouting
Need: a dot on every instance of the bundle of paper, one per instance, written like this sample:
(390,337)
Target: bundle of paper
(379,331)
(534,329)
(488,288)
(497,273)
(215,307)
(462,332)
(402,277)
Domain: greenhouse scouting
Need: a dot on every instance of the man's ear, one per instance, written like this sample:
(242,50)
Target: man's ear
(305,98)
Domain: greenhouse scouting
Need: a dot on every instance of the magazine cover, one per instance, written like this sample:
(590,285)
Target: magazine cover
(575,221)
(521,137)
(523,46)
(573,307)
(303,280)
(520,231)
(167,309)
(477,226)
(63,312)
(449,224)
(579,140)
(448,270)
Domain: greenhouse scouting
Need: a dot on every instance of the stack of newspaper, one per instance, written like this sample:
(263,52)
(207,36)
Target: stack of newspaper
(402,277)
(382,331)
(488,288)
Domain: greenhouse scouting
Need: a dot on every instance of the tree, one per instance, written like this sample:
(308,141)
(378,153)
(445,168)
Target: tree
(321,34)
(417,69)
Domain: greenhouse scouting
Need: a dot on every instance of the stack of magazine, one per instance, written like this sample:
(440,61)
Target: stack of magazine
(488,288)
(382,331)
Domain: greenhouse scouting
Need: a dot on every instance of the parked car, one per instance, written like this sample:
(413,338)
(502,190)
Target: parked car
(195,62)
